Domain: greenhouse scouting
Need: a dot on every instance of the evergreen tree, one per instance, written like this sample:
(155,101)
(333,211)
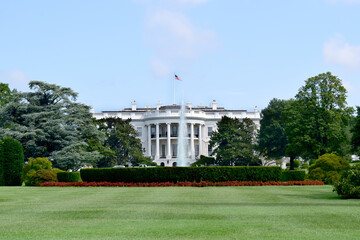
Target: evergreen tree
(2,182)
(272,138)
(13,161)
(5,94)
(122,140)
(50,123)
(355,139)
(234,142)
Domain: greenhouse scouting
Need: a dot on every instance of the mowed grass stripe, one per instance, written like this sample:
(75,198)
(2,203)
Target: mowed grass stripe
(271,212)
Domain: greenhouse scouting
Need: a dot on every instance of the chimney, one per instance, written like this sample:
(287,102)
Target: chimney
(256,109)
(133,105)
(158,105)
(214,106)
(189,105)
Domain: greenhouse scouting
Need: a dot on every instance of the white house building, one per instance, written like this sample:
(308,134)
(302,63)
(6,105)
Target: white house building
(158,128)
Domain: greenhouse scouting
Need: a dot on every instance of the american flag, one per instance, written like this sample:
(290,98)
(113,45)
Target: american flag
(177,78)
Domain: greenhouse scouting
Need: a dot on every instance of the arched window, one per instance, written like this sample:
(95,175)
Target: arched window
(162,164)
(174,164)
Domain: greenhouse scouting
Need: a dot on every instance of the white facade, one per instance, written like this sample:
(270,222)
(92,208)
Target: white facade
(158,128)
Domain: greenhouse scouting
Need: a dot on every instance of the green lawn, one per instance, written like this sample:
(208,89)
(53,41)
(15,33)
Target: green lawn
(272,212)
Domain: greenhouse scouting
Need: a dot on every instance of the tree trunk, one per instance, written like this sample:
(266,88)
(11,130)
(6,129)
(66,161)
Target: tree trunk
(292,158)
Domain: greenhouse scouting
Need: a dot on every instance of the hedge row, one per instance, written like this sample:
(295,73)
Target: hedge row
(181,174)
(293,175)
(69,177)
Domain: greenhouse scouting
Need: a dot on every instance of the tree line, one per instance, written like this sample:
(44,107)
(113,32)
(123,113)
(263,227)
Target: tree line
(48,122)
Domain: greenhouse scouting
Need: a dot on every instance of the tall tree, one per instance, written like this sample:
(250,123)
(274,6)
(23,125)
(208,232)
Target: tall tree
(122,139)
(5,94)
(272,138)
(13,160)
(49,123)
(316,121)
(355,130)
(234,142)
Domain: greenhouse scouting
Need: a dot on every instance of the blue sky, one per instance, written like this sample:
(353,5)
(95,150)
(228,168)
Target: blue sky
(241,53)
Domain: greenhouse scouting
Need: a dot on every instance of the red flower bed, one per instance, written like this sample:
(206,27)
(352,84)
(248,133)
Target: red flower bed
(179,184)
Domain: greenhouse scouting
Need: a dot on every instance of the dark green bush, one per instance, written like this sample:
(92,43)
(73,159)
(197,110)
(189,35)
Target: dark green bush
(348,185)
(41,176)
(204,161)
(176,174)
(69,177)
(56,171)
(2,182)
(328,168)
(13,161)
(293,175)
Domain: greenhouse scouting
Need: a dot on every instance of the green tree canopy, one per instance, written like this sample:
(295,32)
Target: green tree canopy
(272,138)
(234,142)
(122,139)
(316,121)
(49,123)
(5,94)
(355,130)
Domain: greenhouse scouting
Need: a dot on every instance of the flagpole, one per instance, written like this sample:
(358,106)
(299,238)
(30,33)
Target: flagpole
(174,89)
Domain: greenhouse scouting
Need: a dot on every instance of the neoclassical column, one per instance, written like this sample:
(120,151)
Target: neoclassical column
(149,140)
(157,153)
(192,144)
(200,139)
(168,156)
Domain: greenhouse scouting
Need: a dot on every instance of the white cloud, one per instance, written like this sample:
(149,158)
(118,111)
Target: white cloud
(159,68)
(337,51)
(173,36)
(15,78)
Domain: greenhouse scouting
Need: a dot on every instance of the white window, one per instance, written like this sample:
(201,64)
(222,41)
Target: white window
(174,130)
(174,150)
(210,130)
(209,150)
(153,130)
(139,130)
(196,131)
(163,147)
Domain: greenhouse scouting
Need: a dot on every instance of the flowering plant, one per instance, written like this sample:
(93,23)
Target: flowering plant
(180,184)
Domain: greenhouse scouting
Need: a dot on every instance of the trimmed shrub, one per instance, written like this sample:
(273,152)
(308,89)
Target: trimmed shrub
(348,185)
(56,170)
(328,168)
(178,174)
(32,167)
(2,181)
(13,161)
(69,177)
(293,175)
(41,176)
